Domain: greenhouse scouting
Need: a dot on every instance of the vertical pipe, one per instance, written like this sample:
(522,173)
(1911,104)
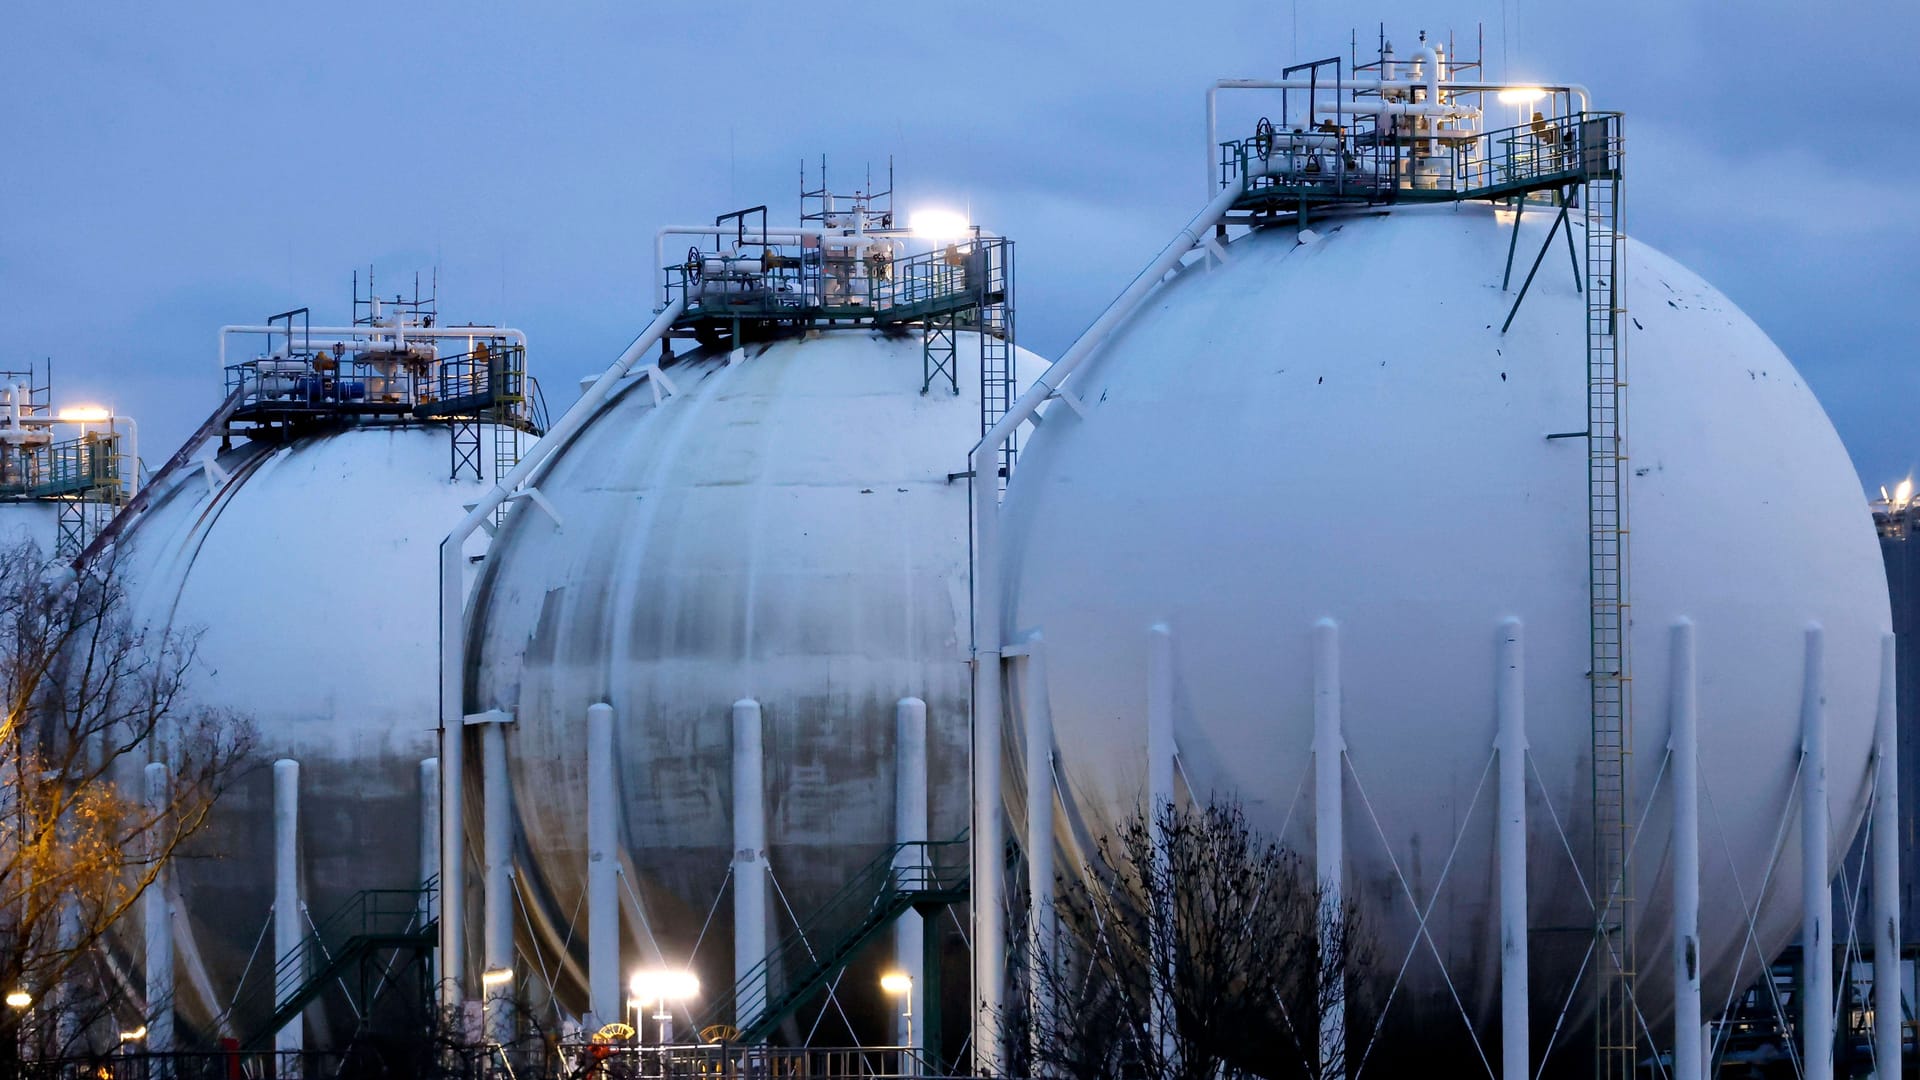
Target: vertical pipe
(1040,873)
(910,827)
(603,858)
(1816,889)
(1510,707)
(453,866)
(1684,742)
(158,916)
(749,857)
(1329,829)
(1886,868)
(496,850)
(288,933)
(1160,763)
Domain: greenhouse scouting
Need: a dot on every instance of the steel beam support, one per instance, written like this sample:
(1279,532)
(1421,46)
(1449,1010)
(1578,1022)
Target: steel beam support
(1160,797)
(1885,915)
(288,931)
(1511,743)
(1683,743)
(157,913)
(496,846)
(910,827)
(1816,886)
(603,862)
(749,857)
(1329,827)
(1040,871)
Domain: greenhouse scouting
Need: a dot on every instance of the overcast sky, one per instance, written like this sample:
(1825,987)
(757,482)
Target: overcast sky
(171,167)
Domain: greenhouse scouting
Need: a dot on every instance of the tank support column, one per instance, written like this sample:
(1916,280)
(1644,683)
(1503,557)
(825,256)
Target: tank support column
(1887,1011)
(288,933)
(910,827)
(1510,705)
(1160,767)
(603,888)
(496,849)
(451,968)
(749,858)
(429,837)
(1040,913)
(1329,829)
(158,915)
(1816,888)
(1684,744)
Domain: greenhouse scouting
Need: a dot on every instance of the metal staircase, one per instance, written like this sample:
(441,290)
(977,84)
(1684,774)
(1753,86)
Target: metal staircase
(375,933)
(1610,611)
(922,876)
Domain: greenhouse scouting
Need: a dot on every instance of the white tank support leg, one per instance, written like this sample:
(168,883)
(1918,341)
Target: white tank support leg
(1684,743)
(989,808)
(429,835)
(1886,869)
(158,916)
(1510,707)
(749,856)
(1040,872)
(289,929)
(910,827)
(603,862)
(1160,764)
(496,843)
(453,869)
(1816,886)
(1329,829)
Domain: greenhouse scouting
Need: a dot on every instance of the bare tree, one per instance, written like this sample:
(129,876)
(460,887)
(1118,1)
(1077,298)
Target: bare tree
(1190,948)
(90,699)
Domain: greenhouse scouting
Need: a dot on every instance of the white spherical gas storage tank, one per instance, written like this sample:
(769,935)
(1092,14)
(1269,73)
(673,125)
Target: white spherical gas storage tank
(784,524)
(307,574)
(29,521)
(1333,427)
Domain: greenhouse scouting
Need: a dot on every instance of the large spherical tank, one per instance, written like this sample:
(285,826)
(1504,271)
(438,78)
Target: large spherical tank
(306,573)
(786,525)
(1333,426)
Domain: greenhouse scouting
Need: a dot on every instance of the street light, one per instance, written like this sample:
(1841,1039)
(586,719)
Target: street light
(19,999)
(900,984)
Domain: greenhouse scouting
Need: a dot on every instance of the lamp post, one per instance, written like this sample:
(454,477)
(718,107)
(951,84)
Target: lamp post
(20,1001)
(899,984)
(665,989)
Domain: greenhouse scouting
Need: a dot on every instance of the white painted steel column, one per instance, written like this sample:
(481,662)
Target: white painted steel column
(1160,761)
(453,867)
(910,827)
(429,835)
(1886,866)
(1329,829)
(1040,873)
(158,916)
(989,802)
(1816,941)
(497,851)
(603,861)
(289,931)
(749,855)
(1684,743)
(1510,707)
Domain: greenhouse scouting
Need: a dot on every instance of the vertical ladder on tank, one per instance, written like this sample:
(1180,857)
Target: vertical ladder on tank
(997,374)
(1610,612)
(506,455)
